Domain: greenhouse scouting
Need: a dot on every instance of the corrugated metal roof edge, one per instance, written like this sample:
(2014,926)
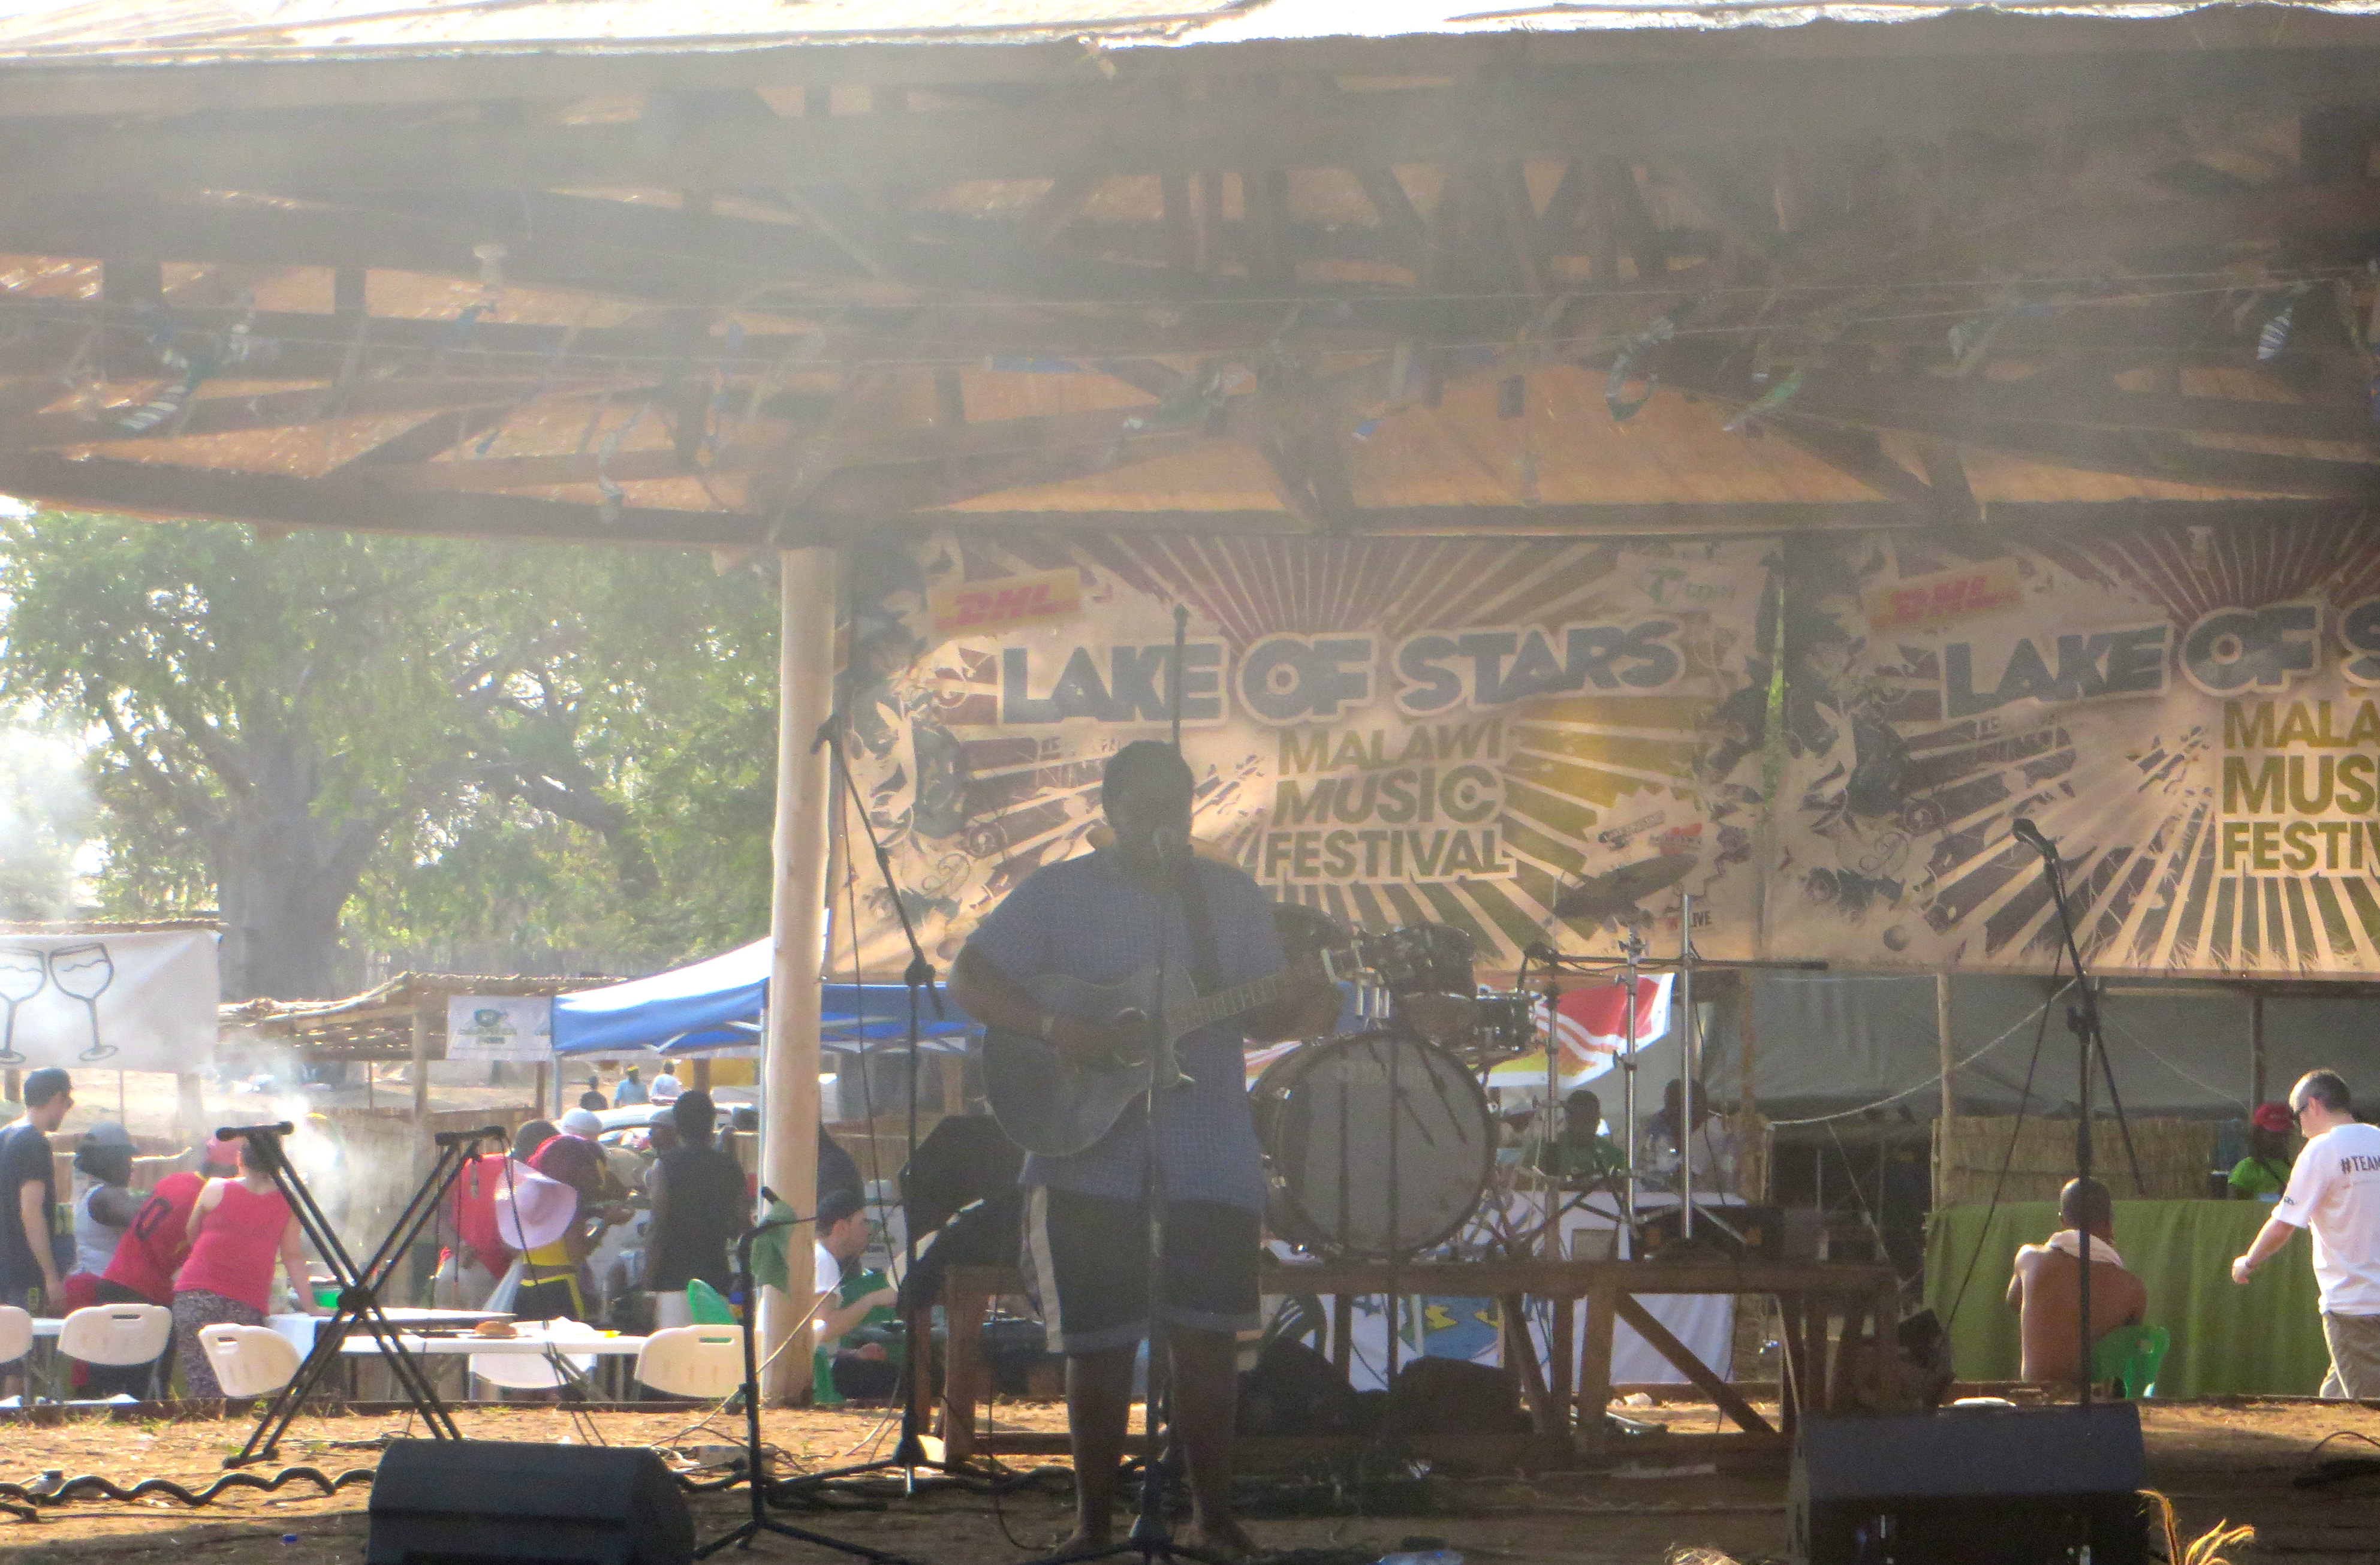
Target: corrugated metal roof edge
(2234,24)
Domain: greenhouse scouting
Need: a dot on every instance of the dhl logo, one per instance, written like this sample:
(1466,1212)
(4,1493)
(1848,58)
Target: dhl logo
(1944,596)
(975,608)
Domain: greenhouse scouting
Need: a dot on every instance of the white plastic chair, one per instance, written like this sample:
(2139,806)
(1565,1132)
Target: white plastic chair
(250,1361)
(693,1361)
(117,1334)
(16,1333)
(535,1371)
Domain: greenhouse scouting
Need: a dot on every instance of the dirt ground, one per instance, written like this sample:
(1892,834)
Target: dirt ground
(2216,1462)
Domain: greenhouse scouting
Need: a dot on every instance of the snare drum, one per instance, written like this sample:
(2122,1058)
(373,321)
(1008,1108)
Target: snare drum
(1324,1114)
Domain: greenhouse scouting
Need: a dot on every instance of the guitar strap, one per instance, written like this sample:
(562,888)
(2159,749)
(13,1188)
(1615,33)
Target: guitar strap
(1206,969)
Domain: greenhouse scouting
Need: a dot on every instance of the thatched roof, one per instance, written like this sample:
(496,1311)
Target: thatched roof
(734,275)
(379,1023)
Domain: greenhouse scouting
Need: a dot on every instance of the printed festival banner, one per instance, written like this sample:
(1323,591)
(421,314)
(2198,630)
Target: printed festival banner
(1469,732)
(117,1001)
(2192,713)
(1393,731)
(499,1026)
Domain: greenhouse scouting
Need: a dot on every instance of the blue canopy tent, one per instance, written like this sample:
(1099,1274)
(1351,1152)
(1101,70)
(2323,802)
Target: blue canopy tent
(718,1003)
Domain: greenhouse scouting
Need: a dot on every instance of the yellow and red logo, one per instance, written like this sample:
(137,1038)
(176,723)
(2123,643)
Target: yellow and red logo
(977,607)
(1943,596)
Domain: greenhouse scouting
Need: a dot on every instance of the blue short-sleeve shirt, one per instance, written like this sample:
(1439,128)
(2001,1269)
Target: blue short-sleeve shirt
(1084,918)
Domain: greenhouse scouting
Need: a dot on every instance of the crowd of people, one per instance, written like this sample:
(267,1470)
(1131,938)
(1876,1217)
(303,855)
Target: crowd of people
(203,1244)
(524,1223)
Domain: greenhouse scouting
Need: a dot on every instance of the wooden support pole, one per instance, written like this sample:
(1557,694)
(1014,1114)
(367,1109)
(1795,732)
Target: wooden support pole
(807,597)
(2255,1048)
(1942,1126)
(421,1064)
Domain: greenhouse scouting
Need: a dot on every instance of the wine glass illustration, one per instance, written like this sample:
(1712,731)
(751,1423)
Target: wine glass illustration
(23,971)
(84,972)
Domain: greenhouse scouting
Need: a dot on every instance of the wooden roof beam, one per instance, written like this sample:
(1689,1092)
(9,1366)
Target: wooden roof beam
(284,409)
(1540,111)
(168,493)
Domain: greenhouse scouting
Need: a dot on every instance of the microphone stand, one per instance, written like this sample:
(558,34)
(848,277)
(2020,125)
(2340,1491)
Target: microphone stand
(2083,1020)
(359,1286)
(755,1454)
(1151,1536)
(909,1451)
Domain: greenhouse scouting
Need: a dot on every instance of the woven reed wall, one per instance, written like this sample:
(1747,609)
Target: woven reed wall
(2175,1156)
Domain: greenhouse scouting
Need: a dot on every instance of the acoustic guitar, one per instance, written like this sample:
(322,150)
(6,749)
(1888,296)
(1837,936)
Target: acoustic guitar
(1048,1103)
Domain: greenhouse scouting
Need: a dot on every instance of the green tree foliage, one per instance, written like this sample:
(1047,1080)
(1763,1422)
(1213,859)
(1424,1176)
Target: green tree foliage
(392,741)
(45,819)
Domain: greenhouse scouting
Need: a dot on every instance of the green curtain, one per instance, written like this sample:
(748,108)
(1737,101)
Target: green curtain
(2263,1338)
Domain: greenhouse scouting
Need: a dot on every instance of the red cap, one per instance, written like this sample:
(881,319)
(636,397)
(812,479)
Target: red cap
(2274,1117)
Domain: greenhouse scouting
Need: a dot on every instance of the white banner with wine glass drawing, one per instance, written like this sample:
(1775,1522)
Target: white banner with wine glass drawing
(129,1000)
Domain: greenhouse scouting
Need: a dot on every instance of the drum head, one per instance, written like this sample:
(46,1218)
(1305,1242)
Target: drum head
(1354,1125)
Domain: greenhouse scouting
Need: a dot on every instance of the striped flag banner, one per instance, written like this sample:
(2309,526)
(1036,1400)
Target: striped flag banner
(1590,1029)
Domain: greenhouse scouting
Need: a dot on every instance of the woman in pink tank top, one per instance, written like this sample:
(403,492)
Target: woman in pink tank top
(239,1228)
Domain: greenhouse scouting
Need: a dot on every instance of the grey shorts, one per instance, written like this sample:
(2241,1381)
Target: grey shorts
(2354,1357)
(1085,1265)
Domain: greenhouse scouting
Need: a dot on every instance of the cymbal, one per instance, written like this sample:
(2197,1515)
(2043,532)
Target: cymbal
(1617,891)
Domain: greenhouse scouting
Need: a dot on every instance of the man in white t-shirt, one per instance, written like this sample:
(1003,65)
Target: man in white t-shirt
(841,1228)
(2335,1190)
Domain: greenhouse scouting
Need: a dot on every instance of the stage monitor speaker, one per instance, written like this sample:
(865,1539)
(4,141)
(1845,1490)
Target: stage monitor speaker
(2002,1485)
(463,1502)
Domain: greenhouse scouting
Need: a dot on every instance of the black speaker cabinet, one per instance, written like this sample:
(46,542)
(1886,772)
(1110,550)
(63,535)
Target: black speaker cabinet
(461,1502)
(2002,1485)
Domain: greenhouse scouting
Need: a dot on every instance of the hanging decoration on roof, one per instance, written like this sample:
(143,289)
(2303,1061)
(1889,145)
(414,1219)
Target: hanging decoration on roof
(1769,401)
(190,361)
(1624,365)
(2276,335)
(613,496)
(721,404)
(1198,398)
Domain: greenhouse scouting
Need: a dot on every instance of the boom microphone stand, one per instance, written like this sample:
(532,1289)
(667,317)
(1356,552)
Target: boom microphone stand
(755,1453)
(909,1451)
(359,1288)
(2083,1019)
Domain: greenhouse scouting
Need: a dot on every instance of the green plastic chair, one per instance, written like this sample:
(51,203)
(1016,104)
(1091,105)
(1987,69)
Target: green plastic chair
(707,1308)
(2132,1354)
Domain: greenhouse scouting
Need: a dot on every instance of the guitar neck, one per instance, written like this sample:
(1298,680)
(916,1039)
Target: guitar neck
(1230,1002)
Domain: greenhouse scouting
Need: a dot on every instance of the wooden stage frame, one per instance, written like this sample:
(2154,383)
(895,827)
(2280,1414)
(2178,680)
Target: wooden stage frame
(1823,1308)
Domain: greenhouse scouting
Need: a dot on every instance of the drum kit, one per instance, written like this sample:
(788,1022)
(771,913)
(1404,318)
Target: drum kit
(1379,1142)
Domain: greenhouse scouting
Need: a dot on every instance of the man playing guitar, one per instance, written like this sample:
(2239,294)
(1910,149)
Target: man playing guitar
(1100,919)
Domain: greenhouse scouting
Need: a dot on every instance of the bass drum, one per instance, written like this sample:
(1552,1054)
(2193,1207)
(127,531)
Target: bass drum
(1323,1114)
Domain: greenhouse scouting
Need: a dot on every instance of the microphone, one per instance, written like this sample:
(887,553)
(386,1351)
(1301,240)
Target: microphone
(2025,831)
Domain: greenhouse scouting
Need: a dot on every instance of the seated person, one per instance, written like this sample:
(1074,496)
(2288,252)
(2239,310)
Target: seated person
(1689,1120)
(861,1369)
(1581,1149)
(2264,1173)
(2047,1290)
